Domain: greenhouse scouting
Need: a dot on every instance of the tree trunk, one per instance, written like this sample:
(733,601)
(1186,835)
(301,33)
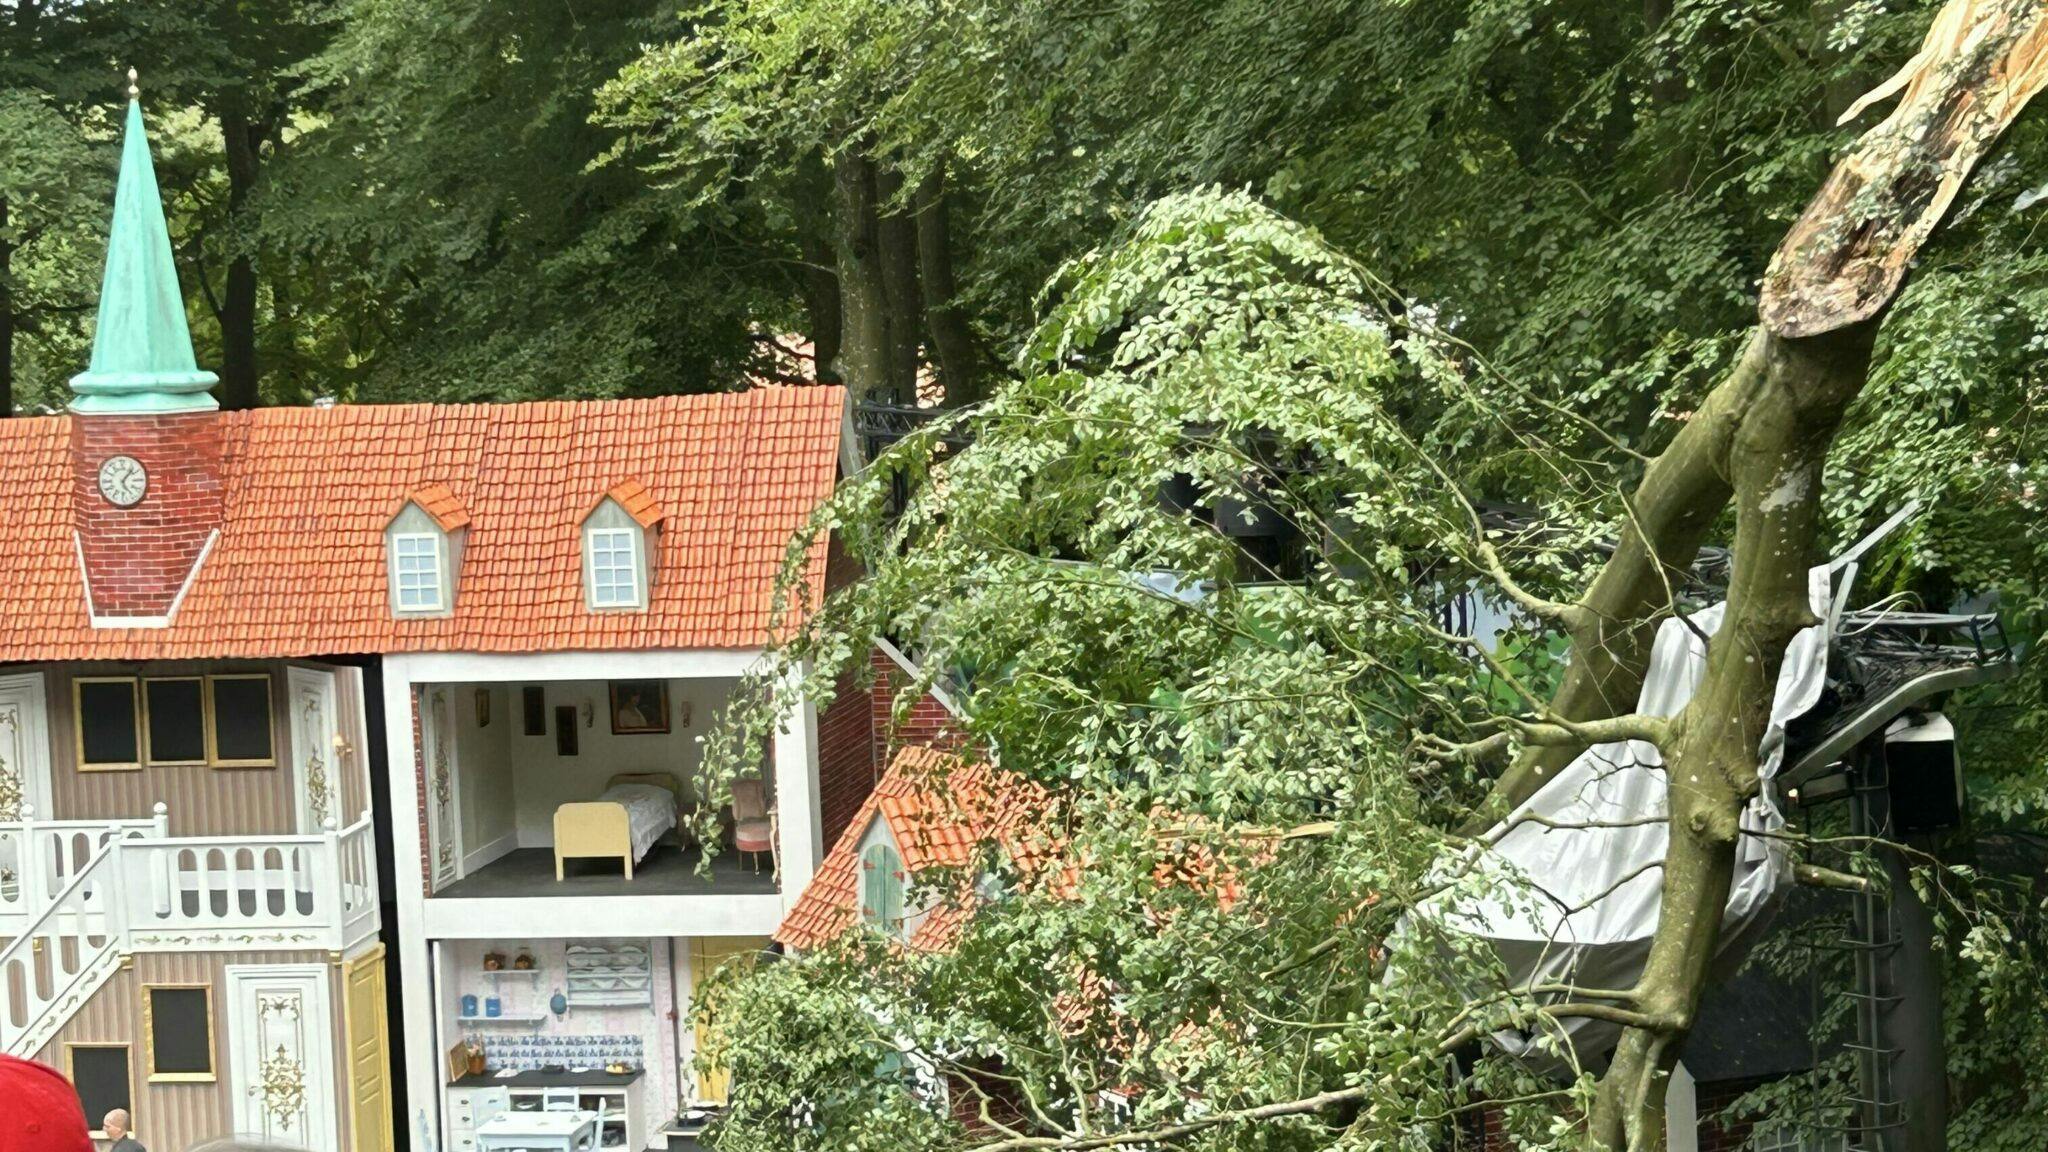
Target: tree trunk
(864,329)
(897,230)
(6,316)
(822,307)
(961,367)
(1774,454)
(818,278)
(238,374)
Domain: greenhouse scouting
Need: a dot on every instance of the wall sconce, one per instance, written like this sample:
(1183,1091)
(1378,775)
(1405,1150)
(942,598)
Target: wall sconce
(342,748)
(589,712)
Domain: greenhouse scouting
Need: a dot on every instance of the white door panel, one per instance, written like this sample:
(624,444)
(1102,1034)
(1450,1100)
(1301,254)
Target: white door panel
(315,742)
(24,747)
(281,1036)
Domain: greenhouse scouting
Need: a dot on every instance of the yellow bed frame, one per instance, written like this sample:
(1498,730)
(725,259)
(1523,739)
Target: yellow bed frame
(600,827)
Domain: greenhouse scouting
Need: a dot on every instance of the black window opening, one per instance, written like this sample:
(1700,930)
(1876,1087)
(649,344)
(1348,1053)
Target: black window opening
(241,721)
(533,704)
(180,1032)
(174,710)
(101,1074)
(108,737)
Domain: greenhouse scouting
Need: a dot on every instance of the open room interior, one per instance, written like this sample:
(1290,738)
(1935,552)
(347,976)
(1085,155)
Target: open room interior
(607,771)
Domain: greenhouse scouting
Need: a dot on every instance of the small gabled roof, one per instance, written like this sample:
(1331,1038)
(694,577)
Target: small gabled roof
(939,807)
(638,502)
(441,505)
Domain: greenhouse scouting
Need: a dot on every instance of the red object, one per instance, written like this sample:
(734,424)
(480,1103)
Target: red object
(39,1110)
(140,557)
(305,494)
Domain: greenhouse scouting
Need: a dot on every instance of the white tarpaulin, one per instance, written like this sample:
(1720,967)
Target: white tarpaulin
(1579,905)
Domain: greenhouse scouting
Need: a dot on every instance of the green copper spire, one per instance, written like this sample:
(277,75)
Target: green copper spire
(141,349)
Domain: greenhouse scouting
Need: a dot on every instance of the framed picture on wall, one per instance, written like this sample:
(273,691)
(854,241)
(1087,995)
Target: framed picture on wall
(533,703)
(483,707)
(639,707)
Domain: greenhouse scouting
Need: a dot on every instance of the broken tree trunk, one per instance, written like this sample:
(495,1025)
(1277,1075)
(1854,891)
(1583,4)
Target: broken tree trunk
(1762,440)
(1839,267)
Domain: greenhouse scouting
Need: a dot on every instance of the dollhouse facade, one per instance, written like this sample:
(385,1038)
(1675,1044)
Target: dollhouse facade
(345,751)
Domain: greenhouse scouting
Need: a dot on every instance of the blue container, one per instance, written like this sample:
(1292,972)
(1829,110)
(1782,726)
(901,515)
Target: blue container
(492,1007)
(469,1005)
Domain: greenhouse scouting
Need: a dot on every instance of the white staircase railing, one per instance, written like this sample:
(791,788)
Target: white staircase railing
(139,890)
(39,857)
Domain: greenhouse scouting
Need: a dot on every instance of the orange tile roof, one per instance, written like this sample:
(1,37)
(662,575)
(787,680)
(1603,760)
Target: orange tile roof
(638,502)
(439,503)
(940,808)
(299,568)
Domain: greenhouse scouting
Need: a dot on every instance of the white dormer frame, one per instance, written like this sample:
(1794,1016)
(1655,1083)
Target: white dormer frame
(411,526)
(609,532)
(404,546)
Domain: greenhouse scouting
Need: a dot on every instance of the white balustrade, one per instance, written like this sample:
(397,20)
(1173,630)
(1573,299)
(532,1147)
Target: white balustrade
(39,857)
(85,892)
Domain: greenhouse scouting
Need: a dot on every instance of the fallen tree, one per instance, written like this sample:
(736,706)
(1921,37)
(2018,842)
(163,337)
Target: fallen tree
(1158,666)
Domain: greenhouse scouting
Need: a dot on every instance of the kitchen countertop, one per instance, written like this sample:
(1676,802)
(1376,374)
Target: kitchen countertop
(592,1078)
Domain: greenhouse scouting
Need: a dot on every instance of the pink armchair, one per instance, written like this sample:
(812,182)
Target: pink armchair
(753,823)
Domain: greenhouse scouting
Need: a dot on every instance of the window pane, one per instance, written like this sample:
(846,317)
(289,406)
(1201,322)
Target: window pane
(180,1032)
(106,722)
(613,580)
(416,564)
(177,721)
(241,718)
(100,1073)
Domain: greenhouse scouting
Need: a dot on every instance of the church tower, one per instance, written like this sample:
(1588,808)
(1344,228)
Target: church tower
(145,433)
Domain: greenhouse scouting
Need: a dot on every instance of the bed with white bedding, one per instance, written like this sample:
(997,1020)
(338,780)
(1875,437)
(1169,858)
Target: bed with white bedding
(624,821)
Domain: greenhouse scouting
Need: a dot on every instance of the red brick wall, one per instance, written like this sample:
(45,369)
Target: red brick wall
(419,780)
(927,723)
(857,735)
(137,558)
(847,759)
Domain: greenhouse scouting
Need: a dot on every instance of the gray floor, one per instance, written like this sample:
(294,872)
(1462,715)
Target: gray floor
(665,871)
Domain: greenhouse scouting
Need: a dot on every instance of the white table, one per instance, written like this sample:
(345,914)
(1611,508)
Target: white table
(538,1132)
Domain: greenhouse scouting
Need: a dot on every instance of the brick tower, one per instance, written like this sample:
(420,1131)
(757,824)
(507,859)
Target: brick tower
(145,433)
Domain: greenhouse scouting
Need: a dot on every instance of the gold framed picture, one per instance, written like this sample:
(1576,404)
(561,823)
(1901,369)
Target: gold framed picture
(639,707)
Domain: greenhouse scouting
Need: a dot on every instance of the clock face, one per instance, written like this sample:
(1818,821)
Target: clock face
(123,481)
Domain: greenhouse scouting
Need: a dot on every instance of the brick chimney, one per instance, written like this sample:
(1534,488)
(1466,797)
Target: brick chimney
(145,433)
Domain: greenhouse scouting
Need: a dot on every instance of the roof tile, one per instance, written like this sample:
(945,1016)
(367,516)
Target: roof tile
(299,566)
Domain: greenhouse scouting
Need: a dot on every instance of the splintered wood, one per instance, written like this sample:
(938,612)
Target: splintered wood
(1845,258)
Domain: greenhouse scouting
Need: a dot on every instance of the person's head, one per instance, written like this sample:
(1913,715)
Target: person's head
(116,1124)
(42,1112)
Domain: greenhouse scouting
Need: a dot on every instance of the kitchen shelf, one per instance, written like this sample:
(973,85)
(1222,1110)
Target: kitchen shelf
(505,1019)
(502,973)
(610,975)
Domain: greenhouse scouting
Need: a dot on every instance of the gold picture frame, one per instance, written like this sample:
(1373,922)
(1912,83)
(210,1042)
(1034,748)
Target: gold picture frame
(632,701)
(212,1075)
(205,722)
(71,1073)
(213,757)
(78,684)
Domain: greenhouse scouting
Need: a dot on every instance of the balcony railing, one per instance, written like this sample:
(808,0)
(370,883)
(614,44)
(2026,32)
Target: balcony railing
(83,893)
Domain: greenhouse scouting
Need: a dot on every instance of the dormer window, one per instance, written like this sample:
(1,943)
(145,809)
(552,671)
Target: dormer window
(881,888)
(614,567)
(423,550)
(418,571)
(618,548)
